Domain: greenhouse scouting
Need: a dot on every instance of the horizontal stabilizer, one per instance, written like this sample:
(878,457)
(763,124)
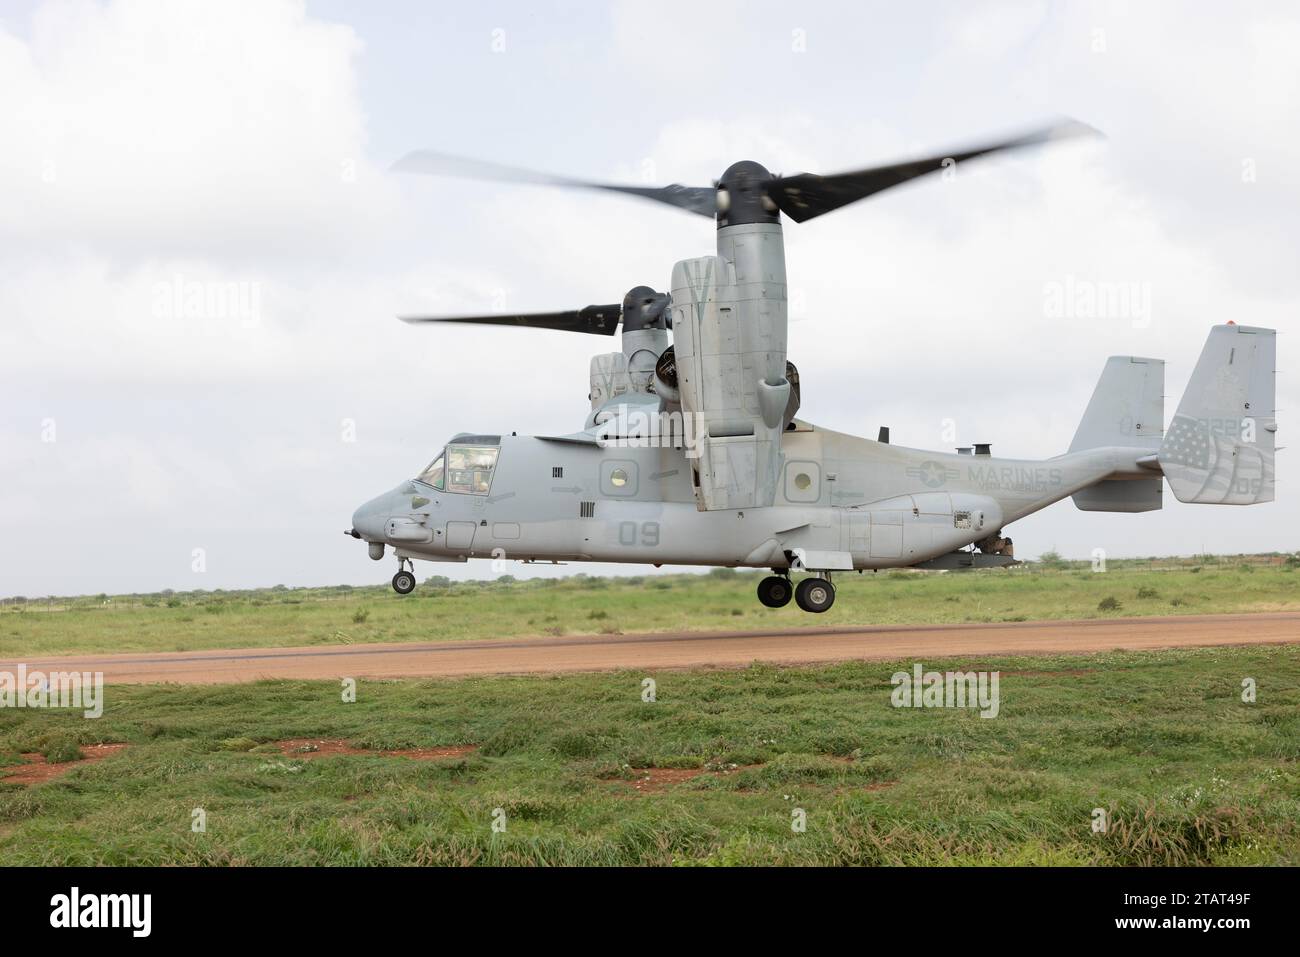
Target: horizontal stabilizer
(1121,495)
(1219,447)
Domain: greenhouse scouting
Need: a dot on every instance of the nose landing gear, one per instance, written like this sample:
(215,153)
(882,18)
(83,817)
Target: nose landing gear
(404,580)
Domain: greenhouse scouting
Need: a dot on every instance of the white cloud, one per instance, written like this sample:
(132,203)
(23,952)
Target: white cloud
(146,125)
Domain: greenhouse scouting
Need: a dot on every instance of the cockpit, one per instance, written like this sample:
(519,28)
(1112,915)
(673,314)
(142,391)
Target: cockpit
(465,466)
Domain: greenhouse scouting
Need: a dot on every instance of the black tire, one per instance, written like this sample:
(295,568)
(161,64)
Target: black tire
(775,591)
(815,595)
(404,583)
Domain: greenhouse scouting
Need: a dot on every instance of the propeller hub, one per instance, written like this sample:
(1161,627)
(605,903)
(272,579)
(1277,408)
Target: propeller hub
(743,196)
(643,308)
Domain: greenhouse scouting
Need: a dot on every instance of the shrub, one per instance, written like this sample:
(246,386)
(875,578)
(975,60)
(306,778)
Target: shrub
(576,744)
(61,752)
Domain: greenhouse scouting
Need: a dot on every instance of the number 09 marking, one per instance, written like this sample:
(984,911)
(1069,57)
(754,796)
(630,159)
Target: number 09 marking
(646,535)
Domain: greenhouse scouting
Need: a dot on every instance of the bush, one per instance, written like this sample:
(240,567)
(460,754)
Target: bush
(1109,603)
(513,737)
(62,751)
(576,744)
(1148,592)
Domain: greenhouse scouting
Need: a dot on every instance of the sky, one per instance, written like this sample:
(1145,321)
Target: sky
(202,250)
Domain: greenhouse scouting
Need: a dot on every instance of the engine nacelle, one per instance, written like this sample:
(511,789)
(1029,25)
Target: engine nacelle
(729,342)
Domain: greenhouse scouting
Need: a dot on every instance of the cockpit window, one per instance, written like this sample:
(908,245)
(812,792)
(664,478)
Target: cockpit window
(433,475)
(469,468)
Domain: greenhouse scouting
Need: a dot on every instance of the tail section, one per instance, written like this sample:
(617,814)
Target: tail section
(1219,448)
(1127,409)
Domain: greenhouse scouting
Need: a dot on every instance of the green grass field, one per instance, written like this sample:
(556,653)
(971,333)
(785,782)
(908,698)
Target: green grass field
(584,605)
(1188,773)
(582,770)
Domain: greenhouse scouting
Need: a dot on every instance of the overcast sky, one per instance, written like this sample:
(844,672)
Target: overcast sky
(154,147)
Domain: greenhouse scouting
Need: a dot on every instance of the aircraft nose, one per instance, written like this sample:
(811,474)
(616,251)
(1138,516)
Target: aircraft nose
(371,518)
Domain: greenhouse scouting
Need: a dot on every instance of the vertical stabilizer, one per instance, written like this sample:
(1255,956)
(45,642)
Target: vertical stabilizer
(1127,409)
(1219,447)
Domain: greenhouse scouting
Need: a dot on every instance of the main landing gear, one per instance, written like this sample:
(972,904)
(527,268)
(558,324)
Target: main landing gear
(775,591)
(404,580)
(812,594)
(815,595)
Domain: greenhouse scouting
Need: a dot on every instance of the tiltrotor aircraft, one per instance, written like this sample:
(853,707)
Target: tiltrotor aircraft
(693,454)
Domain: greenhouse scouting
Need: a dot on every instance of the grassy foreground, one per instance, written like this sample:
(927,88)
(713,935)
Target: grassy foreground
(1188,773)
(441,610)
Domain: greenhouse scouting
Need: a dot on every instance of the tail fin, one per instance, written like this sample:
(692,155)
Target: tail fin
(1219,448)
(1128,409)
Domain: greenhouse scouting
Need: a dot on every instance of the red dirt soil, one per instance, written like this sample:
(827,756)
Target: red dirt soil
(578,653)
(39,770)
(651,780)
(323,747)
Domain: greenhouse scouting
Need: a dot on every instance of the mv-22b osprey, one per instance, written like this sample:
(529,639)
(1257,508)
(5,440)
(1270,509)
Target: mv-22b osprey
(735,479)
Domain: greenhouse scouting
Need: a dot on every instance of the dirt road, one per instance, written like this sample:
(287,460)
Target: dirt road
(688,650)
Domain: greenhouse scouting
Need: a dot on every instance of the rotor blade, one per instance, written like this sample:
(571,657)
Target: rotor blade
(598,320)
(694,199)
(807,195)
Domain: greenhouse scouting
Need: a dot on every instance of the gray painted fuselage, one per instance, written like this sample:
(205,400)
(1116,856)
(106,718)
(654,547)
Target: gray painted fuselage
(842,502)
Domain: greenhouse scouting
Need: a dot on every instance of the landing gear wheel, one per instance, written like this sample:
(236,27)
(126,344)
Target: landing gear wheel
(815,595)
(404,582)
(775,591)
